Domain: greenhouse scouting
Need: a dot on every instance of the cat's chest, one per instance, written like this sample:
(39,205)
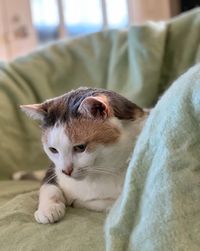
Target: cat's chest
(88,189)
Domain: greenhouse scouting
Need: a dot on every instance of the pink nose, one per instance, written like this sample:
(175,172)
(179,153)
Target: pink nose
(68,170)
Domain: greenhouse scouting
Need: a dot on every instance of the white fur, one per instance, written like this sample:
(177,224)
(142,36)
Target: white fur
(51,204)
(90,189)
(96,191)
(58,139)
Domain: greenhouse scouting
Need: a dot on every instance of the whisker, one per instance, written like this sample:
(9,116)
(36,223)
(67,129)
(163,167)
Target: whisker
(100,168)
(96,169)
(51,178)
(102,171)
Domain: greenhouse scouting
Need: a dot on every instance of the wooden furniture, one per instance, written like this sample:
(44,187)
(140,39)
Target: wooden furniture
(17,35)
(141,11)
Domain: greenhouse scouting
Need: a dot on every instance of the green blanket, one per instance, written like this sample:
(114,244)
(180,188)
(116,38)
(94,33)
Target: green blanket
(139,63)
(159,208)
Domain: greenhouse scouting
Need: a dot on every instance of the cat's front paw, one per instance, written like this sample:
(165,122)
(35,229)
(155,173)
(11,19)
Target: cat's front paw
(50,213)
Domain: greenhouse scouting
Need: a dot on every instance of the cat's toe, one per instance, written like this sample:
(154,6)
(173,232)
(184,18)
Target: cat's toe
(50,214)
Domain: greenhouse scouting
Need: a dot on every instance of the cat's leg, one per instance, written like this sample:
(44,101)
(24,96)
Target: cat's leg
(95,205)
(51,204)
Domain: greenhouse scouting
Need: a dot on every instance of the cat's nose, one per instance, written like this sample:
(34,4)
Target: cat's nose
(68,170)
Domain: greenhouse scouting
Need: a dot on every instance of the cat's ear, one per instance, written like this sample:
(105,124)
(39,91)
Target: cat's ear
(35,111)
(95,107)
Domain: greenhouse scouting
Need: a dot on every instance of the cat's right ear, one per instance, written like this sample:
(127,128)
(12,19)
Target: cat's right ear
(34,111)
(95,107)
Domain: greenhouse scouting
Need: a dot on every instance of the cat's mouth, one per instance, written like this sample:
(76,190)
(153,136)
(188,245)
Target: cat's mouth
(78,174)
(69,173)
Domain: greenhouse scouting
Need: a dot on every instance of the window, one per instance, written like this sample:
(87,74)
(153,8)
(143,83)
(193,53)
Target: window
(56,18)
(117,13)
(82,16)
(45,19)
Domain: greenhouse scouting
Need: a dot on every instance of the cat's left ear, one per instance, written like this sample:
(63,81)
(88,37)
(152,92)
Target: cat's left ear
(95,107)
(34,111)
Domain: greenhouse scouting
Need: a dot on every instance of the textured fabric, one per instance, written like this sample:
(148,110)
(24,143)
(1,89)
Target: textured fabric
(79,230)
(159,206)
(139,63)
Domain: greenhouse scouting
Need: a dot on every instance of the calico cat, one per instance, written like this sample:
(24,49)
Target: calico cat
(89,135)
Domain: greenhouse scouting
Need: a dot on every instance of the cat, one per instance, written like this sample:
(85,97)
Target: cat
(89,135)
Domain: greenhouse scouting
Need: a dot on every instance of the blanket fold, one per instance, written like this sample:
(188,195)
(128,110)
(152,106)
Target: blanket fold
(159,206)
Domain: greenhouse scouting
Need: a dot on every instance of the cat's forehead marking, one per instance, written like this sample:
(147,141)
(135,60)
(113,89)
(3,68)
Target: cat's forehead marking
(92,131)
(57,137)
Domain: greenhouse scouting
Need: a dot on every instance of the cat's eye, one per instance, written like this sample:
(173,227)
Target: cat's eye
(53,150)
(79,148)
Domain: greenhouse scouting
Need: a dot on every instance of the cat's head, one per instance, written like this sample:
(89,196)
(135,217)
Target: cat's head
(78,126)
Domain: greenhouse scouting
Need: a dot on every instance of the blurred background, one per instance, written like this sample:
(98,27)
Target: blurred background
(27,24)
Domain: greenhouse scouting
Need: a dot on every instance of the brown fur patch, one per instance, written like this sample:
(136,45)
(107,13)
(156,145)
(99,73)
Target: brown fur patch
(91,132)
